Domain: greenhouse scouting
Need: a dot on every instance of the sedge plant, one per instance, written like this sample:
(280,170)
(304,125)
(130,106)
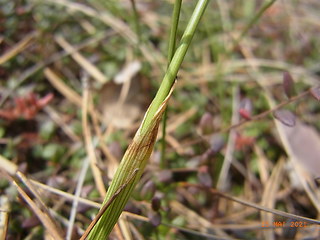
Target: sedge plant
(139,151)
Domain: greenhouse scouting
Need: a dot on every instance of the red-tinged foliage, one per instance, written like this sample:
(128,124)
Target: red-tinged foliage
(245,114)
(245,108)
(243,141)
(26,107)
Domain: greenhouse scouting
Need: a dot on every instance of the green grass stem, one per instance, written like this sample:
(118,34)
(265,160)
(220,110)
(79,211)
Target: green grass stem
(136,20)
(253,21)
(175,63)
(171,50)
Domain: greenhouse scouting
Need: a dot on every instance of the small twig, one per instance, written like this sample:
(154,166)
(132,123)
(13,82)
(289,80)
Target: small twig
(105,207)
(263,114)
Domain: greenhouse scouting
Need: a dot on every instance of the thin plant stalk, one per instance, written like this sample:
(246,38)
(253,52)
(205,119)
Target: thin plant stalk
(136,20)
(171,50)
(175,63)
(140,149)
(253,21)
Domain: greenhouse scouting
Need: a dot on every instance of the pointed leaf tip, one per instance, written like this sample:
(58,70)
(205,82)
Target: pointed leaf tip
(286,117)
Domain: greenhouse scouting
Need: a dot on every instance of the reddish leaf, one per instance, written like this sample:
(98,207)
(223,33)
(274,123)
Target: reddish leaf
(315,92)
(286,117)
(245,108)
(42,102)
(288,84)
(20,104)
(243,141)
(7,114)
(33,99)
(244,113)
(26,107)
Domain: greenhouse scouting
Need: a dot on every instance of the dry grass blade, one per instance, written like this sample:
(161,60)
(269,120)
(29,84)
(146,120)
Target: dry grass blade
(43,217)
(75,203)
(113,162)
(81,60)
(16,49)
(59,121)
(269,196)
(69,93)
(235,66)
(222,181)
(137,235)
(65,90)
(263,164)
(4,216)
(124,228)
(37,196)
(89,144)
(8,166)
(66,195)
(202,224)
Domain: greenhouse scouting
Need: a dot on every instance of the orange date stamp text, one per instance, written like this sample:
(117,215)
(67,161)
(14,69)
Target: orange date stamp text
(295,224)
